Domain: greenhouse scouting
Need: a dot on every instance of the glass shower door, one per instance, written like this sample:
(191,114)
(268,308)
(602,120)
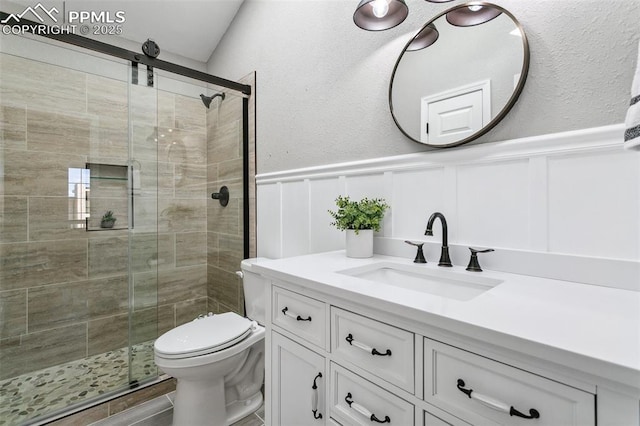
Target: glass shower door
(182,200)
(148,250)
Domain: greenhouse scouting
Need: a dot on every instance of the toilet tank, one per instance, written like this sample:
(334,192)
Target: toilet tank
(254,287)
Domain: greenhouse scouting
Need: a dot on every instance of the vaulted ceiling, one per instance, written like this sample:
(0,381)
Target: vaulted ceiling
(190,28)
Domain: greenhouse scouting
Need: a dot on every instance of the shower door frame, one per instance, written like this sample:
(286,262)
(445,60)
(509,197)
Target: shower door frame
(134,57)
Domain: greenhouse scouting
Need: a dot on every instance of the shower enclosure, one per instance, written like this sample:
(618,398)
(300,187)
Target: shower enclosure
(83,134)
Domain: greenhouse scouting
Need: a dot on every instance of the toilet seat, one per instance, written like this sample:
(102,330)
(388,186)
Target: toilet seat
(204,336)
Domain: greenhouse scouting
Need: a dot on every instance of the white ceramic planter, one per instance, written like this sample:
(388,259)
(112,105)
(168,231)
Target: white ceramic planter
(360,245)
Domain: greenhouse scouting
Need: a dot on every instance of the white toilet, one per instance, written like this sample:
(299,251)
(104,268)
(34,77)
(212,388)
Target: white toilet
(218,361)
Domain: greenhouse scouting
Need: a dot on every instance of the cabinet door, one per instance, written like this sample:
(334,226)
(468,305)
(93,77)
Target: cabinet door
(298,384)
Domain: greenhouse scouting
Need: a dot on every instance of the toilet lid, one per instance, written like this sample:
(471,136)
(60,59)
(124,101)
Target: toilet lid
(203,336)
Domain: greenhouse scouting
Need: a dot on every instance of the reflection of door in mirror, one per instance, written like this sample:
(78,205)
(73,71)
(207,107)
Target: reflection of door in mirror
(495,51)
(450,116)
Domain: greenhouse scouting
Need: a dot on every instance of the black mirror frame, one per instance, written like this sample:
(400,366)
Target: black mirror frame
(512,100)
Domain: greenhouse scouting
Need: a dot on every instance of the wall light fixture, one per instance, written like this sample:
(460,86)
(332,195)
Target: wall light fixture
(378,15)
(473,14)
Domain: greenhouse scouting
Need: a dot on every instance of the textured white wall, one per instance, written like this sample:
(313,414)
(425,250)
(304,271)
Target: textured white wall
(322,83)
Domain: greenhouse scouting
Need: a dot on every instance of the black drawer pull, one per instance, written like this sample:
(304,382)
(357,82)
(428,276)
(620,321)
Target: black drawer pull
(286,312)
(533,413)
(314,398)
(372,351)
(496,404)
(362,410)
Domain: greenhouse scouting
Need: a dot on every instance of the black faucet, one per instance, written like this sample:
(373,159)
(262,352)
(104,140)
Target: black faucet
(444,254)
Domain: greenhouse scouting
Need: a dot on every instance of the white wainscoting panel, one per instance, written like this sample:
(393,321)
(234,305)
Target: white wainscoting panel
(323,236)
(295,218)
(370,186)
(538,204)
(563,206)
(416,194)
(269,220)
(493,204)
(594,206)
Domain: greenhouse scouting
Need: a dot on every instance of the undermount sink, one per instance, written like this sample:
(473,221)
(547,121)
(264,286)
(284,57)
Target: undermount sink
(440,282)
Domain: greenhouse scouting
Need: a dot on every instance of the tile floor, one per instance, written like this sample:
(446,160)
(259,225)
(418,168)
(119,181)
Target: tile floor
(42,392)
(159,412)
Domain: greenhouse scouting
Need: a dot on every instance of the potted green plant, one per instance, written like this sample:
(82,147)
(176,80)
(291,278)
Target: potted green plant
(359,219)
(108,220)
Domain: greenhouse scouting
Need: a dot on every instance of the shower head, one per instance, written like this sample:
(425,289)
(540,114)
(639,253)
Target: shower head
(206,100)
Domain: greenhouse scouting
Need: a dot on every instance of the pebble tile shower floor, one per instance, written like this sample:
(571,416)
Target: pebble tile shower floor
(41,392)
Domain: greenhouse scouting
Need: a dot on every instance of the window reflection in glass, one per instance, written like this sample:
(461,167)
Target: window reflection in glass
(78,193)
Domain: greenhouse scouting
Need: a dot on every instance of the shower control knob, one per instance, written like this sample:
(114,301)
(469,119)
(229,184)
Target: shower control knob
(222,196)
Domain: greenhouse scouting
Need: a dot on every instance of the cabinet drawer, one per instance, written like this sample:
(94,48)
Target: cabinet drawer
(379,348)
(482,391)
(301,315)
(431,420)
(356,401)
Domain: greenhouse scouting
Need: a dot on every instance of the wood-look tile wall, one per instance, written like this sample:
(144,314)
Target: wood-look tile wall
(64,291)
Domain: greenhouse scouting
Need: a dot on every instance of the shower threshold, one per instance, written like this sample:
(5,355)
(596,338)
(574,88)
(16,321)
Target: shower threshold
(26,397)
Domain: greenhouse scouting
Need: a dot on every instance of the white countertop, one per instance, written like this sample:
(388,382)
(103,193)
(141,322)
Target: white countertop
(589,328)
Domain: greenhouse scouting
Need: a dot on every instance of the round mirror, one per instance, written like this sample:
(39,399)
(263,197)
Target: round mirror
(459,75)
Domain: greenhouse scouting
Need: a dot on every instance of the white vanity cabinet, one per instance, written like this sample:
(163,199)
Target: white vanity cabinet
(314,384)
(355,359)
